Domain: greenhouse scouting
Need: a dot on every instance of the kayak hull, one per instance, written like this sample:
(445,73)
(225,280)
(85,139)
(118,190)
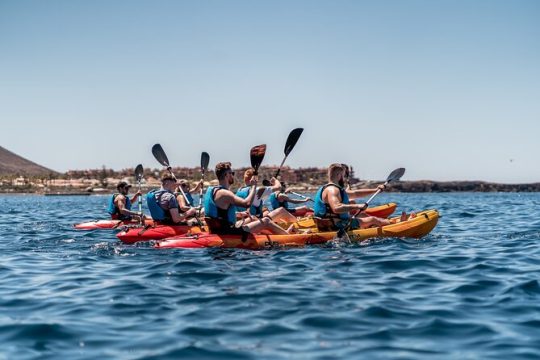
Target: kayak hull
(417,227)
(155,232)
(108,224)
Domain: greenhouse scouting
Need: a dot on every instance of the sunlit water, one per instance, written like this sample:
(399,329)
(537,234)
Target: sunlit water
(469,290)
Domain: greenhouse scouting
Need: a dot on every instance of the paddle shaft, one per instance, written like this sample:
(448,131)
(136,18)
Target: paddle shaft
(139,200)
(300,195)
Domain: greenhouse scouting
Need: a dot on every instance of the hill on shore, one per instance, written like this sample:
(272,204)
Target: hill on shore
(13,164)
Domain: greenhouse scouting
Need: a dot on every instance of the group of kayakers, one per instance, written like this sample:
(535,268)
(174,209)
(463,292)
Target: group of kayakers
(226,212)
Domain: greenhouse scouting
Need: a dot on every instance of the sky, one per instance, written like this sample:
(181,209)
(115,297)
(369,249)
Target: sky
(448,89)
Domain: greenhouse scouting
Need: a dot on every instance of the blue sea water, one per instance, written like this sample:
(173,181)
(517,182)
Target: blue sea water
(469,290)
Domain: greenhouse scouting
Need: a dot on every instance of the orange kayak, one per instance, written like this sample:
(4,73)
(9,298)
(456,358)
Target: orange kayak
(416,227)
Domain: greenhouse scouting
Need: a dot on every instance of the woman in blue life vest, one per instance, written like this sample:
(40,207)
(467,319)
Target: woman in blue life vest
(333,207)
(256,210)
(120,203)
(187,203)
(279,199)
(220,207)
(163,205)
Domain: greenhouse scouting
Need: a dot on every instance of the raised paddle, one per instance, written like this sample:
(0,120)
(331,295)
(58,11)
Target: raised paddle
(394,176)
(292,139)
(161,157)
(139,171)
(205,160)
(257,155)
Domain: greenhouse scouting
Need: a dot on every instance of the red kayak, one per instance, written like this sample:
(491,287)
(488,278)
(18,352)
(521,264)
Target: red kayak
(382,211)
(155,232)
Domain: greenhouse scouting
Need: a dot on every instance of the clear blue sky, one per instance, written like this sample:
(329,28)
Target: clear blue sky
(448,89)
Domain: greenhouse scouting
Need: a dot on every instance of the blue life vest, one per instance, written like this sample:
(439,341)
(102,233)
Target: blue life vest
(323,210)
(152,200)
(114,210)
(274,201)
(212,211)
(189,199)
(253,210)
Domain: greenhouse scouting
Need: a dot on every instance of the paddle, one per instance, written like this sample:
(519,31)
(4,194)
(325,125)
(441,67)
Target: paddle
(300,195)
(257,155)
(139,171)
(292,139)
(394,176)
(205,159)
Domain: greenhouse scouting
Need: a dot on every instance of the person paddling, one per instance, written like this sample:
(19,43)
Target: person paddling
(332,205)
(186,203)
(256,210)
(120,203)
(280,200)
(220,207)
(163,205)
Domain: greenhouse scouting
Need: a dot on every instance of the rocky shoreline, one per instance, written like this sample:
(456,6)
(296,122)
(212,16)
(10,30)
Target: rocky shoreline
(422,186)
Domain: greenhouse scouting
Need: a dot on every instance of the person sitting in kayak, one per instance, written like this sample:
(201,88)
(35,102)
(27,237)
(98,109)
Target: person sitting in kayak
(163,204)
(185,205)
(256,210)
(220,207)
(280,200)
(120,203)
(332,205)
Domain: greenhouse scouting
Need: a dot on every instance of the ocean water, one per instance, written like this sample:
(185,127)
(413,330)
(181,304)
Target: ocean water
(469,290)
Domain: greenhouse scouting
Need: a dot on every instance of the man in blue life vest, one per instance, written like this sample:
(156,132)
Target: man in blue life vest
(120,203)
(332,205)
(280,200)
(256,210)
(163,205)
(220,207)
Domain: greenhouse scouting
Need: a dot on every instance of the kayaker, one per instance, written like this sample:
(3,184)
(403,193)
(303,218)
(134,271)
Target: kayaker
(332,205)
(220,207)
(256,210)
(120,203)
(280,200)
(184,205)
(163,205)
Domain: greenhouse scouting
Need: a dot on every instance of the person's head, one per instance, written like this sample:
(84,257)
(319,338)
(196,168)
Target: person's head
(123,187)
(347,174)
(184,184)
(336,174)
(248,175)
(224,172)
(168,181)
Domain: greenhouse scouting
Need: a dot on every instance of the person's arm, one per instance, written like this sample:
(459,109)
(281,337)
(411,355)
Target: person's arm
(238,201)
(197,187)
(353,194)
(121,204)
(182,205)
(135,197)
(276,185)
(337,205)
(282,197)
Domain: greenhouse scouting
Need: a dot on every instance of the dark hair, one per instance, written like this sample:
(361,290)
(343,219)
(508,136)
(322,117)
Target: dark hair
(221,169)
(167,177)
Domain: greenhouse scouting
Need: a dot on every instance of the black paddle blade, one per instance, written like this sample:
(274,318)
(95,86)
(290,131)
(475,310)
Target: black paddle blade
(395,175)
(160,155)
(205,160)
(257,155)
(139,172)
(292,140)
(266,182)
